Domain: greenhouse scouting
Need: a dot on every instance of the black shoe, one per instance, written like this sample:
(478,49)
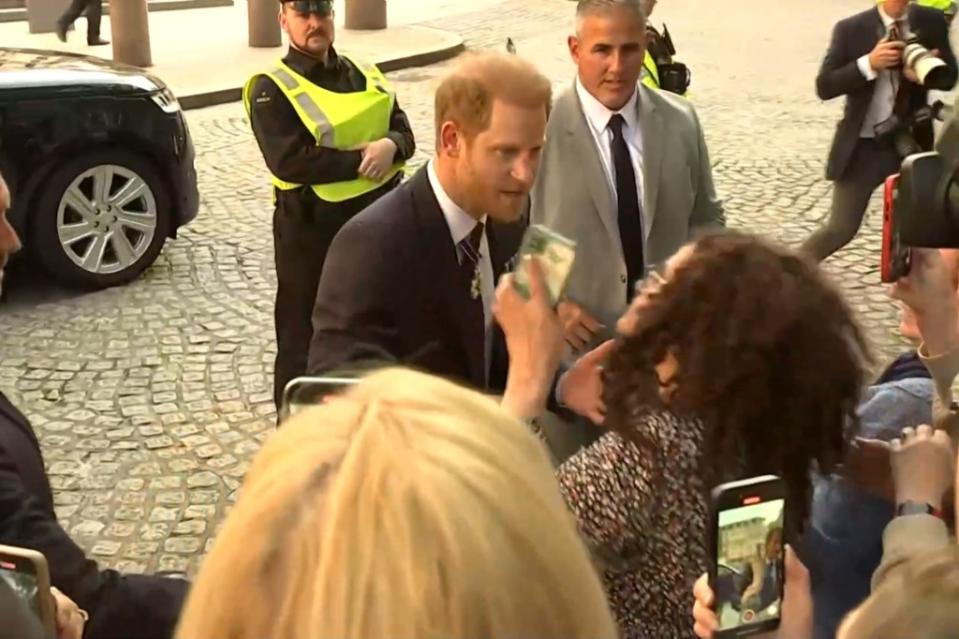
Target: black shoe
(97,42)
(62,32)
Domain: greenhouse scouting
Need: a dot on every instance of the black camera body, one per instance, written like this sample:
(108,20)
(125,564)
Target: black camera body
(927,199)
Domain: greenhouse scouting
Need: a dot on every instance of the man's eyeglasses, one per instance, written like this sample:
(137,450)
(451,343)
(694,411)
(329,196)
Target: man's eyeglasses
(322,8)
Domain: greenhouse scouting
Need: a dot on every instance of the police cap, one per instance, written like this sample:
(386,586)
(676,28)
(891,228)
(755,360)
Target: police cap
(321,7)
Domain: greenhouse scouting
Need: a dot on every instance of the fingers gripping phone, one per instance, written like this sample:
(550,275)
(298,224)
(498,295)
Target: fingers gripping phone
(307,391)
(27,574)
(896,257)
(747,548)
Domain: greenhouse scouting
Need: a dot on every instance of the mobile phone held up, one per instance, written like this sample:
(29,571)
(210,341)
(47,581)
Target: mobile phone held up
(746,571)
(896,258)
(556,254)
(25,571)
(307,391)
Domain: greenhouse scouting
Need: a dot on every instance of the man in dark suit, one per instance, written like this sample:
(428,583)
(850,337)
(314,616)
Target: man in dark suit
(128,606)
(414,274)
(864,63)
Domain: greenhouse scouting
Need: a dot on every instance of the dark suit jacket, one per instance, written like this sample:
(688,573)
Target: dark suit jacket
(391,283)
(120,606)
(839,75)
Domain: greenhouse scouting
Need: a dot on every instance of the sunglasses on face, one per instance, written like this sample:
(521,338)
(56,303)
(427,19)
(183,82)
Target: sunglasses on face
(322,8)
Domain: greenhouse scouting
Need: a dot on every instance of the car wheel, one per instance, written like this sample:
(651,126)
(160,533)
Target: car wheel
(102,219)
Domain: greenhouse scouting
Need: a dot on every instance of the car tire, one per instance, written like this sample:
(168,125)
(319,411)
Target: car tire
(101,220)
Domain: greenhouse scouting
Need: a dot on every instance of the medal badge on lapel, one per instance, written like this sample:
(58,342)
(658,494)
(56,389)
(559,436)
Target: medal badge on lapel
(476,286)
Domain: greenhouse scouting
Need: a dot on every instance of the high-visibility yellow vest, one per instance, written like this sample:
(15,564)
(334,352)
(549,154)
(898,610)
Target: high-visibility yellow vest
(650,73)
(942,5)
(337,121)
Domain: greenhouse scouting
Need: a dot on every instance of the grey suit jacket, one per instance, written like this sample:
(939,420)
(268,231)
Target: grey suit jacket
(572,195)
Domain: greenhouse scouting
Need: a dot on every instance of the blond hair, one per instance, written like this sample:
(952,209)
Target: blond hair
(410,508)
(466,95)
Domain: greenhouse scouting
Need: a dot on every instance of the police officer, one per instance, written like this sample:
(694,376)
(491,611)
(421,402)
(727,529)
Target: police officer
(660,71)
(335,139)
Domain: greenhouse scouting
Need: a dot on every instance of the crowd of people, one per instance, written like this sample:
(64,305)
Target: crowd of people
(518,468)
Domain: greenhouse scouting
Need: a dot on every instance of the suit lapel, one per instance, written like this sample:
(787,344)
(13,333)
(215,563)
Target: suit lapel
(10,412)
(653,132)
(440,253)
(587,156)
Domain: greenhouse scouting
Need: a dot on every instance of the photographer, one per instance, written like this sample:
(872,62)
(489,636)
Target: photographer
(886,114)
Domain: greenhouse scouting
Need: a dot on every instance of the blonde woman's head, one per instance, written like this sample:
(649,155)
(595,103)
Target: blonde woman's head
(408,508)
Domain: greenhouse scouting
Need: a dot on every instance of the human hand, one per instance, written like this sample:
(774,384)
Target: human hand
(923,465)
(929,290)
(886,54)
(70,619)
(377,158)
(796,620)
(581,387)
(534,340)
(579,327)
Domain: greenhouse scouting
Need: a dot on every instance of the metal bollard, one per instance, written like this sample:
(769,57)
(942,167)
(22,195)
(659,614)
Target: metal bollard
(130,31)
(365,14)
(264,28)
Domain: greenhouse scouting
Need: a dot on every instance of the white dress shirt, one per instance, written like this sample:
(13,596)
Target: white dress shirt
(461,225)
(887,81)
(597,116)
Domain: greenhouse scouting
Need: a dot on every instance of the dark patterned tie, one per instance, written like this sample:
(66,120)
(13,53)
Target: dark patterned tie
(627,204)
(470,276)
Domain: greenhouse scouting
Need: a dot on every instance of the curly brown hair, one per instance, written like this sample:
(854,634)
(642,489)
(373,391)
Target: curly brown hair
(770,360)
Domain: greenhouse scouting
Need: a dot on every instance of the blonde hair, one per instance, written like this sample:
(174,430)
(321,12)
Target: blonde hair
(466,95)
(410,508)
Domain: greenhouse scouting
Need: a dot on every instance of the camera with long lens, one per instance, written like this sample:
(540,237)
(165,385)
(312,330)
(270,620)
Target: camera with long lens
(929,69)
(930,72)
(927,194)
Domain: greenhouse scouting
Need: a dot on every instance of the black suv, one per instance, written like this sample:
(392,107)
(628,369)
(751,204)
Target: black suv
(99,161)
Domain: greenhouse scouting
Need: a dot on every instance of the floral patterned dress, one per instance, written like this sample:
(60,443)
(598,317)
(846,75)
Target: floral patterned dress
(644,516)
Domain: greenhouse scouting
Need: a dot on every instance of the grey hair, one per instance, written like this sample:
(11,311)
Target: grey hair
(585,8)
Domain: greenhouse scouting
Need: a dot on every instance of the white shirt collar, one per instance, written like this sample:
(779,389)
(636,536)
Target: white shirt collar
(460,222)
(598,114)
(888,21)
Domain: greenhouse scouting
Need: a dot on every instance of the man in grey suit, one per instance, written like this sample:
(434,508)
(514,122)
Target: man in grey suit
(625,173)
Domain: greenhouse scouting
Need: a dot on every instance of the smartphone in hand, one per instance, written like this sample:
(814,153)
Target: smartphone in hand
(746,571)
(556,255)
(27,574)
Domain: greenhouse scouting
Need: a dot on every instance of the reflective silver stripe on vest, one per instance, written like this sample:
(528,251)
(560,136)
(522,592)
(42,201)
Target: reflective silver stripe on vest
(324,131)
(288,80)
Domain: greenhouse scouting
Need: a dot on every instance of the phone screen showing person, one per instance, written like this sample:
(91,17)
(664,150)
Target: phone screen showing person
(308,391)
(896,257)
(748,545)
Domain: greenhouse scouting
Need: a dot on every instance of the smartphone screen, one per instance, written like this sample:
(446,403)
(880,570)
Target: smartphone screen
(748,542)
(23,582)
(25,572)
(308,391)
(896,257)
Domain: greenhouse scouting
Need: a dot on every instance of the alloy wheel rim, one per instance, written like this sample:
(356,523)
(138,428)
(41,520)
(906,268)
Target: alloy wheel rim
(107,219)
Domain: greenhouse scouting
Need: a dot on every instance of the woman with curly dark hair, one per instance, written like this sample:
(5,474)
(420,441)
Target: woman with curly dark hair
(741,360)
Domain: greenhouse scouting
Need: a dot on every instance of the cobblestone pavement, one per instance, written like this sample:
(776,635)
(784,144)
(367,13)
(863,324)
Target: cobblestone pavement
(150,400)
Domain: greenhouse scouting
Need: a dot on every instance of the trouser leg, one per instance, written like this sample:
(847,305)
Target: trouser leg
(94,15)
(871,163)
(72,13)
(300,244)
